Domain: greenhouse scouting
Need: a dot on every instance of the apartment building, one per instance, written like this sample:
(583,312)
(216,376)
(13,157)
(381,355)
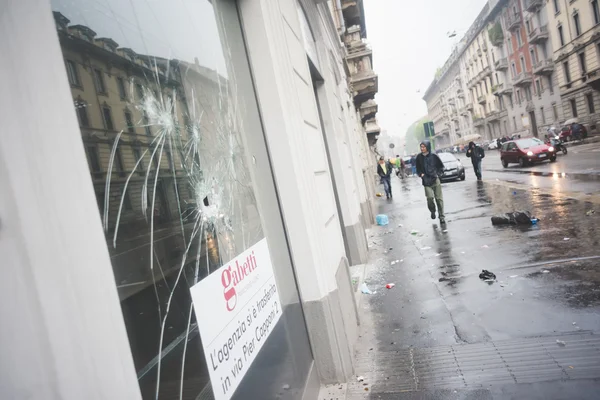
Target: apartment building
(149,148)
(535,104)
(506,59)
(574,28)
(448,105)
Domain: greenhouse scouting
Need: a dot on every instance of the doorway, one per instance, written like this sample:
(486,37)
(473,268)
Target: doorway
(533,123)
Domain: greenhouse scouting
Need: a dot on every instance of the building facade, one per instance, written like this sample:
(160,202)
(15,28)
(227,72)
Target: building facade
(155,145)
(573,27)
(506,61)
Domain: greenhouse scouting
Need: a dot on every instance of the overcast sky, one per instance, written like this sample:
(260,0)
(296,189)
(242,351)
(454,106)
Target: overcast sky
(409,41)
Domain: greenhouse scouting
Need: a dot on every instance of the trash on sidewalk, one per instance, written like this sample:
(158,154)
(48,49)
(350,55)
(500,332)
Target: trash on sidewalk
(425,248)
(365,289)
(414,232)
(513,218)
(560,343)
(485,246)
(590,212)
(565,239)
(360,378)
(382,219)
(513,276)
(534,221)
(390,285)
(379,194)
(487,275)
(545,271)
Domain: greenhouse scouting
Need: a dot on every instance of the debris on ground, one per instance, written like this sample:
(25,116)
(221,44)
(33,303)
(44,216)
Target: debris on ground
(487,275)
(513,276)
(382,219)
(545,271)
(414,232)
(560,343)
(286,387)
(485,246)
(565,239)
(399,225)
(393,262)
(590,212)
(513,218)
(534,221)
(365,289)
(425,248)
(360,378)
(390,285)
(379,194)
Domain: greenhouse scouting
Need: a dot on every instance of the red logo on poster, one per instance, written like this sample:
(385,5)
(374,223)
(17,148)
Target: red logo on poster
(231,277)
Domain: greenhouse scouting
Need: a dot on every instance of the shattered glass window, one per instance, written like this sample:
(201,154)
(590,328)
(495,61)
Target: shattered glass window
(169,168)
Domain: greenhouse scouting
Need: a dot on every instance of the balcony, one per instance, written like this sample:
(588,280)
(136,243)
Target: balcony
(495,115)
(484,46)
(372,129)
(469,106)
(593,79)
(368,110)
(501,64)
(497,89)
(513,21)
(364,86)
(460,93)
(482,99)
(533,5)
(479,52)
(451,101)
(478,121)
(539,35)
(506,90)
(523,79)
(464,110)
(544,67)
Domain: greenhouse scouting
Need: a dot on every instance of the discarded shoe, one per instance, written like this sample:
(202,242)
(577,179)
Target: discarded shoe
(485,274)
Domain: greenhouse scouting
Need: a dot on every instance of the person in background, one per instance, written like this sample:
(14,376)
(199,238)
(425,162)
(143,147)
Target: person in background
(384,170)
(476,154)
(400,167)
(430,168)
(413,164)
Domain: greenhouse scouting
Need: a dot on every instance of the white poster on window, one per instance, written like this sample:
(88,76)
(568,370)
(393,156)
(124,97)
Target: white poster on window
(236,307)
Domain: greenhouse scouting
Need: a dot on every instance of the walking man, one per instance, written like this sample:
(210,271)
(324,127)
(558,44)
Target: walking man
(430,168)
(384,170)
(476,154)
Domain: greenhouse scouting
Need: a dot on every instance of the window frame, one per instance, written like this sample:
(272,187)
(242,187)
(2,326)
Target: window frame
(561,35)
(577,24)
(122,88)
(589,97)
(573,104)
(99,82)
(103,108)
(73,72)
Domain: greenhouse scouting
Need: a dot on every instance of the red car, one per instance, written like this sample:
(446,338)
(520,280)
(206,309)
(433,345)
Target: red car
(567,132)
(526,151)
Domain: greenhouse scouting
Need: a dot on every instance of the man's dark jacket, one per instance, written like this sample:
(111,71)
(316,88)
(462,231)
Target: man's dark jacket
(476,153)
(430,166)
(388,172)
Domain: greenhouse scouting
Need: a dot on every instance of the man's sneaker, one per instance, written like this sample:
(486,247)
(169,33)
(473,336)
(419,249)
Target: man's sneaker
(442,220)
(433,215)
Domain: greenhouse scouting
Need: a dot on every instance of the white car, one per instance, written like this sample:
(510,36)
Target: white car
(493,145)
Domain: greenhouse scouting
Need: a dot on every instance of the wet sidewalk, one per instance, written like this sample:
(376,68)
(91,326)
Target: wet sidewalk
(441,332)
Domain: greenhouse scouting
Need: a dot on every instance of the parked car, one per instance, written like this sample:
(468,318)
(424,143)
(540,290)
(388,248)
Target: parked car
(526,151)
(453,168)
(566,133)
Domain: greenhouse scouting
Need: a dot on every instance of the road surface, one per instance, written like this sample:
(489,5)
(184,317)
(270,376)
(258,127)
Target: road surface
(442,332)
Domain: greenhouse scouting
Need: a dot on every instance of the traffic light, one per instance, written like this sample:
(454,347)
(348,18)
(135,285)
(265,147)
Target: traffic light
(429,131)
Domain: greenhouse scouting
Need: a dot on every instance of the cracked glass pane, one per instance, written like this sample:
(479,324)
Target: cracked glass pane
(156,99)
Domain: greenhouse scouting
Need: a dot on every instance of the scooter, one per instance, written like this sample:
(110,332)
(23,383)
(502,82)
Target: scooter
(558,145)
